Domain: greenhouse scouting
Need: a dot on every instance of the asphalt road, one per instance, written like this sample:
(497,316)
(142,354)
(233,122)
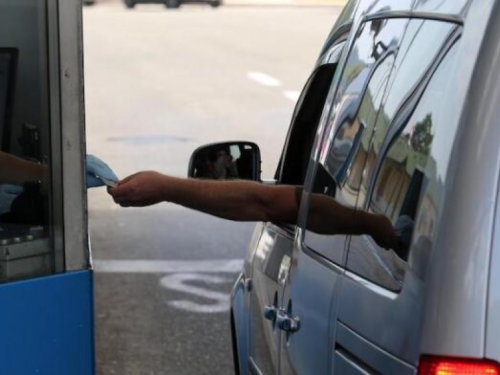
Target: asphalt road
(159,84)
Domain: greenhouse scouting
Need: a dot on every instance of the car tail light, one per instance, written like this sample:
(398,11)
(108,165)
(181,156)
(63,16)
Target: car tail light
(430,365)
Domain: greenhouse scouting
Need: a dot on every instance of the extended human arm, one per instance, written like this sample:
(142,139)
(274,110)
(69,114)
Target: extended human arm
(250,201)
(16,171)
(233,200)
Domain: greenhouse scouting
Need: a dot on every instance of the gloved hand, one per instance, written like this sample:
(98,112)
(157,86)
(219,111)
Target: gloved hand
(96,167)
(7,195)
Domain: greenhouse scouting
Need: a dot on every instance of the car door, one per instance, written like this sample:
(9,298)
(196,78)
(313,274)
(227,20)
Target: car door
(272,256)
(45,276)
(308,315)
(382,291)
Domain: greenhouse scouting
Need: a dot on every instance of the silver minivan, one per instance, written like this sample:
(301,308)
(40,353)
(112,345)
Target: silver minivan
(401,117)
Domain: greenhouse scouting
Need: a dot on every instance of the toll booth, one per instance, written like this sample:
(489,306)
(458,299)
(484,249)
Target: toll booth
(46,292)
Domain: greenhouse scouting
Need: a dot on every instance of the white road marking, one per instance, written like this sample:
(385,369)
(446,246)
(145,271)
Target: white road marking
(292,95)
(167,266)
(181,273)
(179,282)
(264,79)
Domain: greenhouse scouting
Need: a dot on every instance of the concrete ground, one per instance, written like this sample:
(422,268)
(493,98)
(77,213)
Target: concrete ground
(158,85)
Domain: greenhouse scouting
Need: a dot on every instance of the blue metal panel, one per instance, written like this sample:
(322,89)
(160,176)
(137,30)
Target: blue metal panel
(46,325)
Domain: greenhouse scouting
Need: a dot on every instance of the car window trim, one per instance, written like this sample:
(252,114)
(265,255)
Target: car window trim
(320,258)
(395,14)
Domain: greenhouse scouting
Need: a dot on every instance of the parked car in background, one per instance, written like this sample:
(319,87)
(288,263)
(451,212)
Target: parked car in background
(172,3)
(400,117)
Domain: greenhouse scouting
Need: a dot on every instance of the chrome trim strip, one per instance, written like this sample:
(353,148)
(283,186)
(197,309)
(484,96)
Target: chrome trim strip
(343,355)
(372,286)
(252,366)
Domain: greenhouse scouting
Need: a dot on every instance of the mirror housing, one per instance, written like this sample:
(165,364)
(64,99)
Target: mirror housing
(234,160)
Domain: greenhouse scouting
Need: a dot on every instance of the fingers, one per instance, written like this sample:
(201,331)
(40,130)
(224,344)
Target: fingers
(124,197)
(127,179)
(136,190)
(118,191)
(123,187)
(122,194)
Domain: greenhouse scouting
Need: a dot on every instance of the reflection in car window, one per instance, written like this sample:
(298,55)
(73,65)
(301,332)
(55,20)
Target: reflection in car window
(359,97)
(408,187)
(409,69)
(360,93)
(412,63)
(376,45)
(28,239)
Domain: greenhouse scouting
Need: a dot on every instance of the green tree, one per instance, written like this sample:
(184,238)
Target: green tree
(422,136)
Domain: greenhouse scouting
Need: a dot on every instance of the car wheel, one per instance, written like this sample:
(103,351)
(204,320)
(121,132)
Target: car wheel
(216,4)
(172,4)
(129,4)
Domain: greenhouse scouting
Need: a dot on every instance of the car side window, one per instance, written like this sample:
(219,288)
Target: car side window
(408,177)
(351,123)
(305,122)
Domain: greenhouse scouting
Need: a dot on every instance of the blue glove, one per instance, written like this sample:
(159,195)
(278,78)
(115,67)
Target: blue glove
(7,195)
(96,167)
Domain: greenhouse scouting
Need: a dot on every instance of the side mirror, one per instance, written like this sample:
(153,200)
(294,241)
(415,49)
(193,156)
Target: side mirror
(226,161)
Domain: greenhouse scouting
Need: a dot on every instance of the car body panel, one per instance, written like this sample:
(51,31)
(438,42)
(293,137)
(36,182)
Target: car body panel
(348,341)
(239,324)
(270,269)
(309,295)
(455,311)
(490,61)
(391,286)
(240,306)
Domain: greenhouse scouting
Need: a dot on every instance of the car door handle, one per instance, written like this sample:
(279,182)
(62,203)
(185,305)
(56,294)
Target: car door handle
(287,323)
(270,312)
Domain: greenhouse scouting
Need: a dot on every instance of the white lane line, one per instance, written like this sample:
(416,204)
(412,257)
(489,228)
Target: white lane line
(264,79)
(214,302)
(168,266)
(292,95)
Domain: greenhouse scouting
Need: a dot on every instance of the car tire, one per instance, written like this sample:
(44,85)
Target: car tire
(172,4)
(130,4)
(216,4)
